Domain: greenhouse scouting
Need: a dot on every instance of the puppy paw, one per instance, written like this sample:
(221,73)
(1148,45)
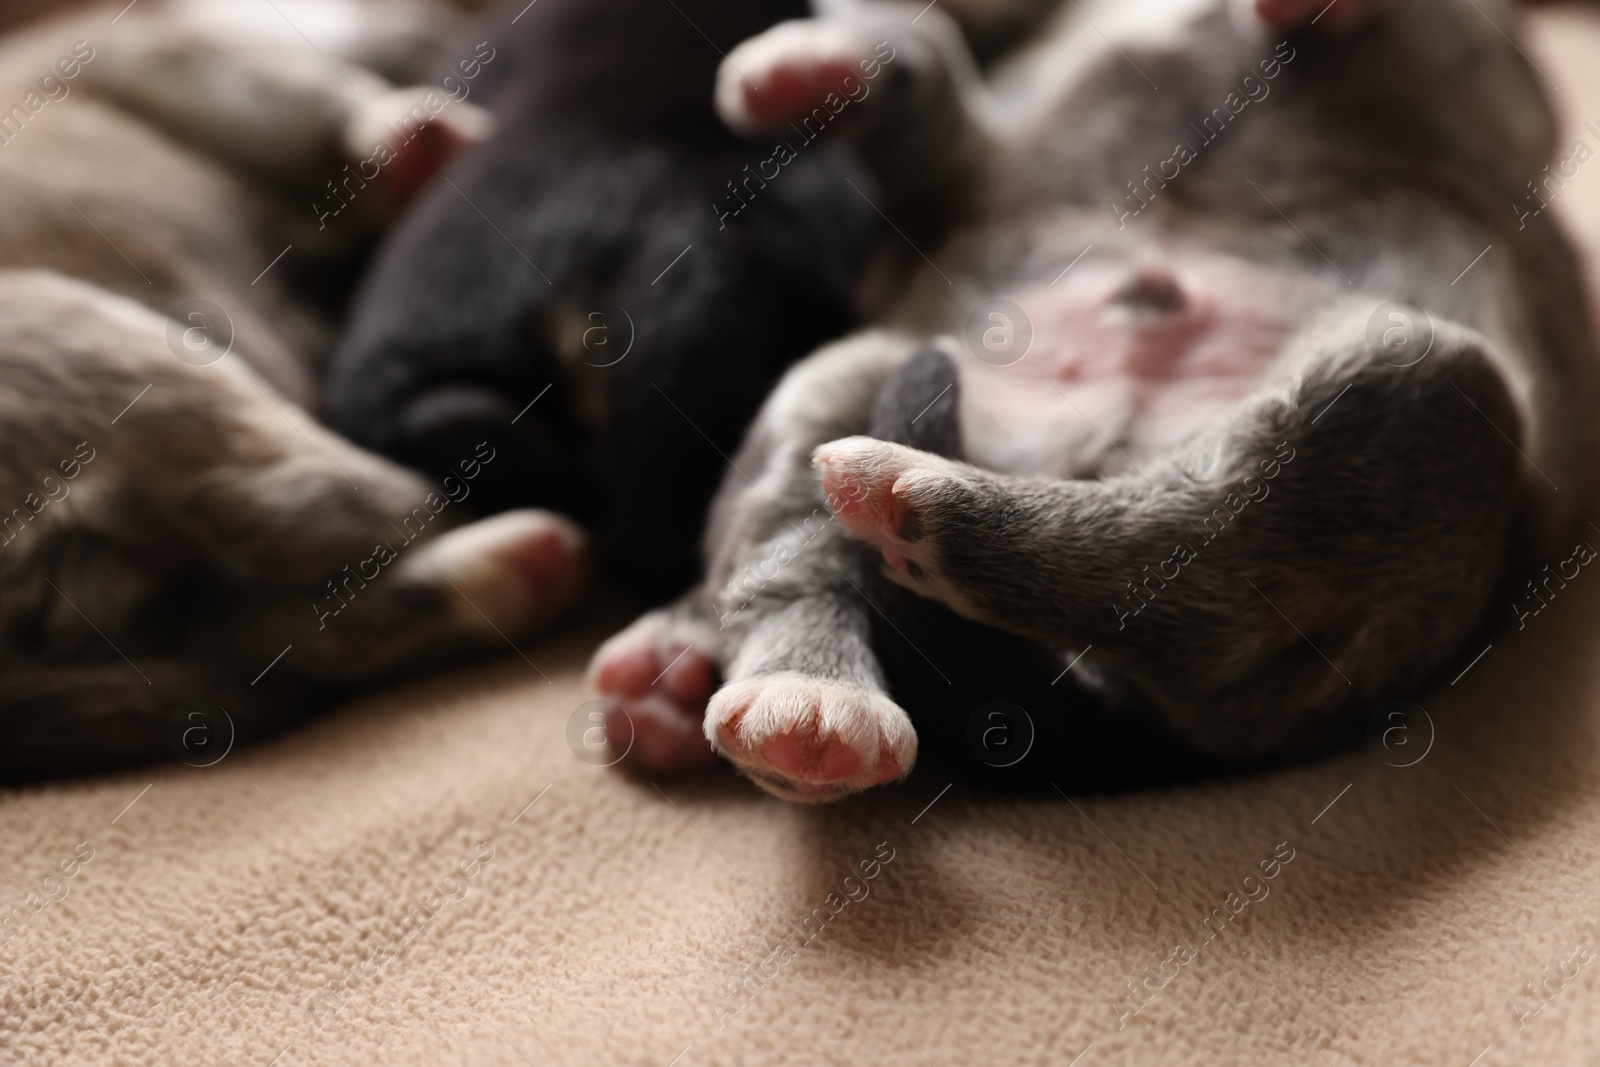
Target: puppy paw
(781,75)
(898,500)
(1290,16)
(394,141)
(508,574)
(810,739)
(658,674)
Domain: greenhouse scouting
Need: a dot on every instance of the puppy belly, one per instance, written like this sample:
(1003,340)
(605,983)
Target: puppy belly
(1134,355)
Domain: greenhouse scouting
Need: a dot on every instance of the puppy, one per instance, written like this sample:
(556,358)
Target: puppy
(607,288)
(178,537)
(1241,391)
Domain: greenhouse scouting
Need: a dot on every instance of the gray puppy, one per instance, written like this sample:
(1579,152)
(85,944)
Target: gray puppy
(1225,378)
(182,547)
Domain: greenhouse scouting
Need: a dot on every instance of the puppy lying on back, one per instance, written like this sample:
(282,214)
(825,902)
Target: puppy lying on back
(177,535)
(1225,411)
(607,288)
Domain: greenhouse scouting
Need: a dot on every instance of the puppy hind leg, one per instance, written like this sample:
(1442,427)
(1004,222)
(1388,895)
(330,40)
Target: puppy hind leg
(1369,504)
(803,710)
(392,611)
(334,520)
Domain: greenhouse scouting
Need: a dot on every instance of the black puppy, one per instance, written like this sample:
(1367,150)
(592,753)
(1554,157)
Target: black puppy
(606,288)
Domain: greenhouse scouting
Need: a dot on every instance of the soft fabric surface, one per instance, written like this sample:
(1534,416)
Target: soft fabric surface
(604,918)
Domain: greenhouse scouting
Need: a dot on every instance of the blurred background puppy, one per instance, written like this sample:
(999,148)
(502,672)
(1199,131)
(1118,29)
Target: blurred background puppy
(176,531)
(608,286)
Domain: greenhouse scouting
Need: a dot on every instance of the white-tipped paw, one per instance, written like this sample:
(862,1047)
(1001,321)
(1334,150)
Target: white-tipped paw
(658,674)
(395,140)
(899,501)
(810,739)
(1291,16)
(782,75)
(507,574)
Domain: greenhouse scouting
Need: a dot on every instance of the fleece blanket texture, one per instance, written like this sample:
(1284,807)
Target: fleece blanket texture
(432,876)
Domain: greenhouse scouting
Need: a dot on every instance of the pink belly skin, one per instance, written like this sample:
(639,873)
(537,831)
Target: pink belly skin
(1144,354)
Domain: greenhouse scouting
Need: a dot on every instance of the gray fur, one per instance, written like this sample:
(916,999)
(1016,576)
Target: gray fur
(1397,152)
(170,529)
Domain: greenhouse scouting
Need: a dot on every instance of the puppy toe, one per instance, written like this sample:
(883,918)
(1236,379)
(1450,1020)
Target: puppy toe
(658,675)
(513,572)
(1289,16)
(405,164)
(783,74)
(888,496)
(810,739)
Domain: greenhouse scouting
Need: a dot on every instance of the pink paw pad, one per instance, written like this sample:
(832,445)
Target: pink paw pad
(788,72)
(512,572)
(659,690)
(1285,16)
(810,758)
(868,485)
(810,739)
(791,92)
(553,565)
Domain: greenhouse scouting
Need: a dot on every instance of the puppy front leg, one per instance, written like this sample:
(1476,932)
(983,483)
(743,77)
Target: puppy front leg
(200,470)
(896,79)
(1332,544)
(285,111)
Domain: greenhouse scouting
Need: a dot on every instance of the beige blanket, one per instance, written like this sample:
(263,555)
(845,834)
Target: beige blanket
(432,877)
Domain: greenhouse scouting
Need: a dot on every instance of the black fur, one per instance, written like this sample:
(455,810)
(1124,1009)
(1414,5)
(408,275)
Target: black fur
(605,165)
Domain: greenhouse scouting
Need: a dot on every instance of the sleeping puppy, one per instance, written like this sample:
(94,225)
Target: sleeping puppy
(607,288)
(1225,411)
(178,537)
